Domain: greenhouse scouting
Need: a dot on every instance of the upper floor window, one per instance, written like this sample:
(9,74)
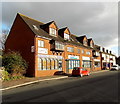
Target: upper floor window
(53,31)
(78,50)
(41,43)
(66,36)
(96,53)
(91,44)
(82,51)
(88,53)
(70,49)
(85,42)
(59,46)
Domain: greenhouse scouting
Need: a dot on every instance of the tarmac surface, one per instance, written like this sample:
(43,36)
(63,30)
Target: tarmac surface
(98,87)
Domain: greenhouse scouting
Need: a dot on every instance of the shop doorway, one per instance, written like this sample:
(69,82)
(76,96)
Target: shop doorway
(60,65)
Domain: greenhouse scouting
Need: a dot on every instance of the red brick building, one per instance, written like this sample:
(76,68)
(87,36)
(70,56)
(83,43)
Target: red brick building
(49,49)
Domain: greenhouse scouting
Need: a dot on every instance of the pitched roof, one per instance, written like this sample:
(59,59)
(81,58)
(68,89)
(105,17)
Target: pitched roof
(80,38)
(89,39)
(63,29)
(48,24)
(75,41)
(40,32)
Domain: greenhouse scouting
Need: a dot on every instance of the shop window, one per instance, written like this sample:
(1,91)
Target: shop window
(40,43)
(39,64)
(52,64)
(73,63)
(56,64)
(48,64)
(86,64)
(44,63)
(52,31)
(97,64)
(70,64)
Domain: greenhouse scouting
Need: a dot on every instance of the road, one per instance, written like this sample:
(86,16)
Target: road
(98,87)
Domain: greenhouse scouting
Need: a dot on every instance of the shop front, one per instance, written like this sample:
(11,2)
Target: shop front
(86,62)
(49,64)
(71,62)
(104,65)
(97,64)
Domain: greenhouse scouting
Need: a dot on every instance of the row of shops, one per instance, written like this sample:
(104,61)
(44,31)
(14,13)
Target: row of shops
(52,62)
(49,49)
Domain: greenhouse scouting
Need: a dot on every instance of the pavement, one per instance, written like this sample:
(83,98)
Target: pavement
(26,81)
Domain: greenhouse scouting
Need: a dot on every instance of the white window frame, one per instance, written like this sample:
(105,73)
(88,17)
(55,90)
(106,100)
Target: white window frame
(88,52)
(66,36)
(70,49)
(41,43)
(52,31)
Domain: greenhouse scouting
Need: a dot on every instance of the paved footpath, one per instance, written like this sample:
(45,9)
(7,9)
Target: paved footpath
(26,81)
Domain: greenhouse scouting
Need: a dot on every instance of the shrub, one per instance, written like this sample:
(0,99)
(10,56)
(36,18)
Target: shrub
(14,63)
(5,75)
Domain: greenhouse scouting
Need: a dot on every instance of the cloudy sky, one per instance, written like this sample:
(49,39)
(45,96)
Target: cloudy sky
(98,20)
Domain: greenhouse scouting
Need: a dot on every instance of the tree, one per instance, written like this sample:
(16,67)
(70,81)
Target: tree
(3,38)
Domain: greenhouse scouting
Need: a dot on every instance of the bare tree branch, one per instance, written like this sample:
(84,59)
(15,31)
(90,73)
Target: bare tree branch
(3,38)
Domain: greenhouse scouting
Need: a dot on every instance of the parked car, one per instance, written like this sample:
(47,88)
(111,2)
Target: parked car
(115,67)
(80,71)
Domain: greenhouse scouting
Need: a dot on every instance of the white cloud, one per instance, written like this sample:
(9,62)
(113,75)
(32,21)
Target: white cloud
(98,20)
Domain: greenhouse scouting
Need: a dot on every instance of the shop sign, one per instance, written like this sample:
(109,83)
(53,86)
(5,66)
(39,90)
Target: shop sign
(73,57)
(85,58)
(43,50)
(96,60)
(50,56)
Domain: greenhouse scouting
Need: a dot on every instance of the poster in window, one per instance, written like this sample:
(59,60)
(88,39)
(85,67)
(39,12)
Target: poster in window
(48,64)
(78,63)
(74,63)
(44,64)
(56,64)
(69,64)
(52,64)
(39,64)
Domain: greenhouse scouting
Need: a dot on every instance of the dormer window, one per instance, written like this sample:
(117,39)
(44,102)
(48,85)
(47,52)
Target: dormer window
(52,31)
(66,36)
(85,42)
(91,45)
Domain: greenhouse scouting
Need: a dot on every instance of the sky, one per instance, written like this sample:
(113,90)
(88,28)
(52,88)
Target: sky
(96,20)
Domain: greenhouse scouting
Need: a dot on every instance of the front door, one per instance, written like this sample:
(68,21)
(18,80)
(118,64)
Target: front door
(67,66)
(60,65)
